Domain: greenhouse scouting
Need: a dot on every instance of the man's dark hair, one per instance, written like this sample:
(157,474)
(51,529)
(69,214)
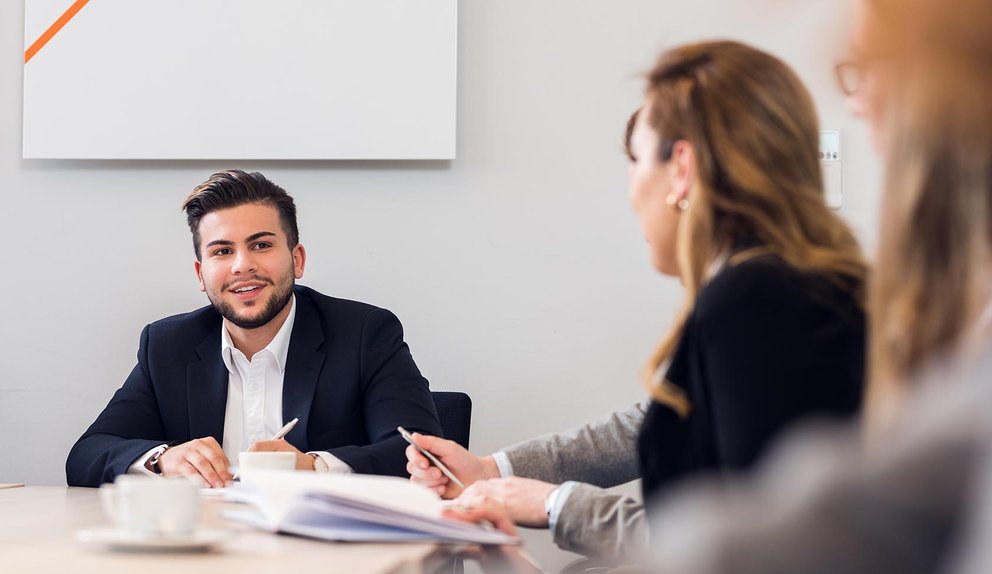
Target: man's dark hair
(232,188)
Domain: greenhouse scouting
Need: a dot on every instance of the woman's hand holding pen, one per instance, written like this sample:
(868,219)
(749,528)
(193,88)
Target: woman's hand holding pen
(468,467)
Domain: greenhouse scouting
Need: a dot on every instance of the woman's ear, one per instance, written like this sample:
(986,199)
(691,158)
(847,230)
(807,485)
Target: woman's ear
(683,166)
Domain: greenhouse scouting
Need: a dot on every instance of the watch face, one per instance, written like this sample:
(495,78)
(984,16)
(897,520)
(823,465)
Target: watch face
(549,502)
(154,461)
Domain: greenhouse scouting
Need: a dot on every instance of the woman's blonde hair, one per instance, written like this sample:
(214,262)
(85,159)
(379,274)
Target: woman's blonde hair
(932,279)
(758,188)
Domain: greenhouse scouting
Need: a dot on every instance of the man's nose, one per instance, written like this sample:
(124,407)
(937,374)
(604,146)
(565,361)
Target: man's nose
(244,262)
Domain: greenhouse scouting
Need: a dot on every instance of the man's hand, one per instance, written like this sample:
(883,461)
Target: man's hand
(522,498)
(303,461)
(463,464)
(200,459)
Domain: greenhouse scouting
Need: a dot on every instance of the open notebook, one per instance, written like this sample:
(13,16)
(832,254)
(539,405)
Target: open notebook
(351,507)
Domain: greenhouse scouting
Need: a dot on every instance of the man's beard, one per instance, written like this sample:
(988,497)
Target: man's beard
(276,303)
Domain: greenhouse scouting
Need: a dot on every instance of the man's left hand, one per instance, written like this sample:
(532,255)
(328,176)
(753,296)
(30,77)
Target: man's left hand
(303,461)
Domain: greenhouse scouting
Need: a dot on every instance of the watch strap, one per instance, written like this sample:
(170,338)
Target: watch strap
(153,461)
(319,464)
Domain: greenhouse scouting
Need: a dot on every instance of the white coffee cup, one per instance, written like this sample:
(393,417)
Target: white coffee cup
(249,462)
(151,506)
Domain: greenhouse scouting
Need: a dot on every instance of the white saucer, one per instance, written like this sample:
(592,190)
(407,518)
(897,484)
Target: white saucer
(115,539)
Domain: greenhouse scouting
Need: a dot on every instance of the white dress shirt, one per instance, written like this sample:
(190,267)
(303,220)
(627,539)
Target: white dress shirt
(254,397)
(254,389)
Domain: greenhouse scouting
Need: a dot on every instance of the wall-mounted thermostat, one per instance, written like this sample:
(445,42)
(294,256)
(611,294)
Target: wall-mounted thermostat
(833,167)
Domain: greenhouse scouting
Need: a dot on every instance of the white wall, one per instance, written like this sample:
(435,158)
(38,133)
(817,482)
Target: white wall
(518,269)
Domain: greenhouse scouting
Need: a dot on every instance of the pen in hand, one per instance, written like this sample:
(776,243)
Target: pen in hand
(281,434)
(285,429)
(437,463)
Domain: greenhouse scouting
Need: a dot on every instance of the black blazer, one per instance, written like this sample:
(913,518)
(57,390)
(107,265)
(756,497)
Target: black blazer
(764,346)
(349,377)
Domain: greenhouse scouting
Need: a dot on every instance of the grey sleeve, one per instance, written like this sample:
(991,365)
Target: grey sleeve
(602,453)
(821,506)
(601,524)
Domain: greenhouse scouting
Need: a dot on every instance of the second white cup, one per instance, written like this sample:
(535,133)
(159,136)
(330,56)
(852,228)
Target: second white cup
(249,462)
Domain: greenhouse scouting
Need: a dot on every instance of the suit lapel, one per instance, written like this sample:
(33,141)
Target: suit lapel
(303,365)
(206,389)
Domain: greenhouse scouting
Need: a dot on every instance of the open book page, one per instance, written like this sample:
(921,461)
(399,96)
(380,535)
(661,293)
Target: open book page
(352,507)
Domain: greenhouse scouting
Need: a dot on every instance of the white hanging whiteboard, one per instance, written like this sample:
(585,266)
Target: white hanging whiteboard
(240,79)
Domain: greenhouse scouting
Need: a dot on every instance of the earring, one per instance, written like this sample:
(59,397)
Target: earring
(674,201)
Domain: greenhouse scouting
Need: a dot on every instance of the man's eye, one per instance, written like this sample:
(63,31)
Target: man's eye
(261,245)
(224,251)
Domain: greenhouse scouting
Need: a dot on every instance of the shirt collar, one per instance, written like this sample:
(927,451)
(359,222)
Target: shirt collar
(278,346)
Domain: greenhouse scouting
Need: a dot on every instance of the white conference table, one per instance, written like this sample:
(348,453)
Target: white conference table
(38,526)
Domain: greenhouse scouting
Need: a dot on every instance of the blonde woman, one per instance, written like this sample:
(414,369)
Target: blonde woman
(726,184)
(919,73)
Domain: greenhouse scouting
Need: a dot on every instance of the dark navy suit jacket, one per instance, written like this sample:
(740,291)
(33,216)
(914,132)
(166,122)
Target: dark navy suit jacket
(349,378)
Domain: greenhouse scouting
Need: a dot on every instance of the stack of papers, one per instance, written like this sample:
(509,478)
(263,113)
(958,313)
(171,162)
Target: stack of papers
(353,508)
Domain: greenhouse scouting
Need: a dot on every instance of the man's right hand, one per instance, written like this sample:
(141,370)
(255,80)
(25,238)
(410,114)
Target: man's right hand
(199,459)
(463,464)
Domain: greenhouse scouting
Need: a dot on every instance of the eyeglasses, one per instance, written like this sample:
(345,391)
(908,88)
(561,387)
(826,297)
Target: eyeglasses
(850,75)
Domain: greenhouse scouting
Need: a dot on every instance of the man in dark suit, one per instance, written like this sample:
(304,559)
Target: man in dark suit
(223,379)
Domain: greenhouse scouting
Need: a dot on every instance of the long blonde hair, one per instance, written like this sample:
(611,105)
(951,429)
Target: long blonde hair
(932,280)
(758,187)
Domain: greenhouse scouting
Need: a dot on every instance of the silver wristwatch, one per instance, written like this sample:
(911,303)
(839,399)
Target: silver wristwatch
(549,502)
(153,461)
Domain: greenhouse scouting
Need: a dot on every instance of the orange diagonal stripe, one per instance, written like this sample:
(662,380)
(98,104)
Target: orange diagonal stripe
(53,29)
